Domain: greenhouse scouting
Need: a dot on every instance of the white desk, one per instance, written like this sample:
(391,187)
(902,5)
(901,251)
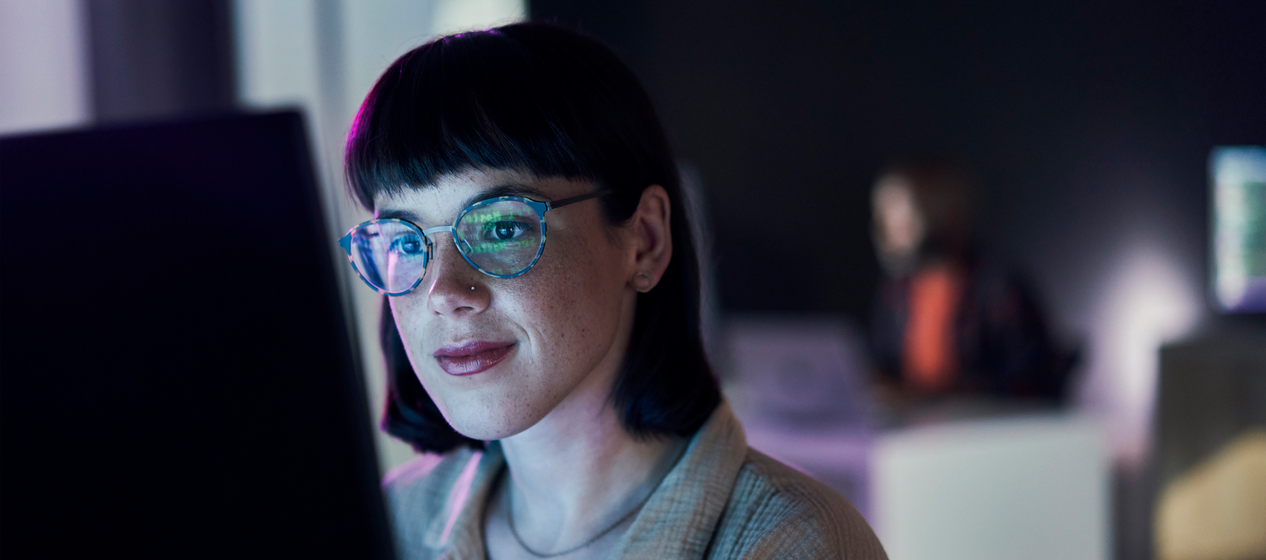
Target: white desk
(1033,486)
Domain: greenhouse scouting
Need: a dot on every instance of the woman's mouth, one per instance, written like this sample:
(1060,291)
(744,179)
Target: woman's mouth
(472,357)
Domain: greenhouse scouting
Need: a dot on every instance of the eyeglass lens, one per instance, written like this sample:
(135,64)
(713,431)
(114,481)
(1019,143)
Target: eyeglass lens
(389,255)
(500,237)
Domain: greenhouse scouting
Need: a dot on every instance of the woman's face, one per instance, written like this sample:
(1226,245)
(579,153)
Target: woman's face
(498,355)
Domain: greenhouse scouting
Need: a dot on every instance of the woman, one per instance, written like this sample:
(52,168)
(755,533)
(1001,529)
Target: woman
(580,364)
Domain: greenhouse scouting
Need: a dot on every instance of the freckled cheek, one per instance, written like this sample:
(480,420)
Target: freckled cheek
(561,298)
(408,312)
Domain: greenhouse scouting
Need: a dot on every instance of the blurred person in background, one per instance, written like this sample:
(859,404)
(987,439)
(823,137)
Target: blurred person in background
(948,319)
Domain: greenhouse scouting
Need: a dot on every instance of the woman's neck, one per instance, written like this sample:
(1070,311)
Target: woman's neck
(577,472)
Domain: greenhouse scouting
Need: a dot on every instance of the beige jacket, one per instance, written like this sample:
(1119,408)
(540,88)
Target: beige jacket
(722,500)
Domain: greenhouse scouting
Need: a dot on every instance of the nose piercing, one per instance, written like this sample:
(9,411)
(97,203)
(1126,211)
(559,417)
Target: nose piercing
(472,288)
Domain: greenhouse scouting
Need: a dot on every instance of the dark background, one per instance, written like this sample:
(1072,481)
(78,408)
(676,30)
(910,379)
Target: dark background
(1089,123)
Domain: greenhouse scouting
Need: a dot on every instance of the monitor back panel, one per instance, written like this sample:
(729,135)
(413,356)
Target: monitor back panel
(176,375)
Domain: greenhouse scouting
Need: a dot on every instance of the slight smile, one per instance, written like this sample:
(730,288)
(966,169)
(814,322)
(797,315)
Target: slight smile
(472,357)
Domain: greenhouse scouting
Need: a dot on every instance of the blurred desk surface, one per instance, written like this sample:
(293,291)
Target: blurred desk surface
(951,483)
(948,478)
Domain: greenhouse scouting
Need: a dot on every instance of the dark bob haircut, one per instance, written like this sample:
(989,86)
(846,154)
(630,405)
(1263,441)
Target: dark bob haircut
(545,100)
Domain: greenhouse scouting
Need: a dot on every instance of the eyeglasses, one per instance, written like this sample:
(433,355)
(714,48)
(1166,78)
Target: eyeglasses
(502,237)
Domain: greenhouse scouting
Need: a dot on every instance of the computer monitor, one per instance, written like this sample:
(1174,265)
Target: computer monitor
(1238,180)
(177,377)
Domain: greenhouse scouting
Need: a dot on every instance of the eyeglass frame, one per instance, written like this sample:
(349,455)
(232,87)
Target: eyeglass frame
(540,207)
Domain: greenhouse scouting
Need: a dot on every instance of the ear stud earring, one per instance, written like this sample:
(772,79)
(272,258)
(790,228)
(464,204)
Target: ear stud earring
(642,282)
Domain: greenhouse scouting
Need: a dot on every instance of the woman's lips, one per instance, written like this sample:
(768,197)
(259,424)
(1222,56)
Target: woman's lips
(472,357)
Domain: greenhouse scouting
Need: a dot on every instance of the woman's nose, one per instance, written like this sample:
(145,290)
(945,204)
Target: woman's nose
(455,288)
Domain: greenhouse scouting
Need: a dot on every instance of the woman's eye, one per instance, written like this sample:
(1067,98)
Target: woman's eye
(502,231)
(407,244)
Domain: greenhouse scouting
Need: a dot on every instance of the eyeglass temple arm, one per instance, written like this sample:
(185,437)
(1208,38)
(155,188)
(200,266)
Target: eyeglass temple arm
(581,198)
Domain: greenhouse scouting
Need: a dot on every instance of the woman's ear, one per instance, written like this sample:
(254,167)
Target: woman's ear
(651,225)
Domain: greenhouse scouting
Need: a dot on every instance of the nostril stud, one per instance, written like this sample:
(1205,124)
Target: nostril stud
(472,288)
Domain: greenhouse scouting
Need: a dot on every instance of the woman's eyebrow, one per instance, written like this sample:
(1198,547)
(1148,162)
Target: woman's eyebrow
(506,190)
(393,213)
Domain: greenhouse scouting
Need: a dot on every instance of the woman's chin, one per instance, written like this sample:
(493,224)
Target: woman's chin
(484,430)
(483,424)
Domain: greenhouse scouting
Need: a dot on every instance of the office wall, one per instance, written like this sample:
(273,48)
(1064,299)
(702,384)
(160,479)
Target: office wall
(44,71)
(157,58)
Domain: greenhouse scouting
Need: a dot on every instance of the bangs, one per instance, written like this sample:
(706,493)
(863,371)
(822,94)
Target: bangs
(478,100)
